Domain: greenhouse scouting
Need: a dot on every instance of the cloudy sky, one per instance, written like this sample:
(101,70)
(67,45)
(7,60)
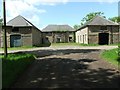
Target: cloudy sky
(44,12)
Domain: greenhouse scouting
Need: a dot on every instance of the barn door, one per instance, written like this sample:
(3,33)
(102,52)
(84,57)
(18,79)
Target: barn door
(15,40)
(103,38)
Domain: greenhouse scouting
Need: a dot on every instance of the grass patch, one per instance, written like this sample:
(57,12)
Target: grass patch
(13,66)
(78,44)
(89,45)
(65,44)
(111,56)
(19,48)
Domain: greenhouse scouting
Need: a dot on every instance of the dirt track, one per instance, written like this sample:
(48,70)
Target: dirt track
(69,68)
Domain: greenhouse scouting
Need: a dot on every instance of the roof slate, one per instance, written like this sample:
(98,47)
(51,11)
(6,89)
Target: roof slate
(98,20)
(51,28)
(19,21)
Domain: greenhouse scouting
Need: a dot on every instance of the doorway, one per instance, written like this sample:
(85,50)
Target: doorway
(15,40)
(103,38)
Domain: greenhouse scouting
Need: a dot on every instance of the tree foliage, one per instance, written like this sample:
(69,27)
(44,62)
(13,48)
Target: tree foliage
(1,21)
(115,19)
(76,26)
(90,16)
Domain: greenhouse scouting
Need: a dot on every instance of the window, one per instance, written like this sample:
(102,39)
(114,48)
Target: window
(85,37)
(70,39)
(78,39)
(103,28)
(15,29)
(58,39)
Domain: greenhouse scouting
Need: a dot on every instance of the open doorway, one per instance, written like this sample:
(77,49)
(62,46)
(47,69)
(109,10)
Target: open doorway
(103,38)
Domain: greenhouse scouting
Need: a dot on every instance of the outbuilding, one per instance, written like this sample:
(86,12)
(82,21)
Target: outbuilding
(98,31)
(21,33)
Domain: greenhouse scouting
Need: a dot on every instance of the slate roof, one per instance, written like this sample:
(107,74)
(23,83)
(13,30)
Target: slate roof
(20,21)
(52,28)
(99,20)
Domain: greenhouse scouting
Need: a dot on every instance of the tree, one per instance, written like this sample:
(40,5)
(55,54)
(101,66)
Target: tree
(1,21)
(115,19)
(76,26)
(90,16)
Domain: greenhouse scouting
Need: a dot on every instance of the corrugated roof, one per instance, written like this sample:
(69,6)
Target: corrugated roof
(98,20)
(51,28)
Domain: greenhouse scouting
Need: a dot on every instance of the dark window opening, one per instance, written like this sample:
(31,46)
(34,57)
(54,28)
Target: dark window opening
(70,39)
(83,39)
(58,39)
(15,29)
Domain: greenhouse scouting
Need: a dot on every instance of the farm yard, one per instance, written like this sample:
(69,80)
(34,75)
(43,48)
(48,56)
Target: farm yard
(59,47)
(73,67)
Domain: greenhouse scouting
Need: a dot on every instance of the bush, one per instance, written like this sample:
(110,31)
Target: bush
(13,66)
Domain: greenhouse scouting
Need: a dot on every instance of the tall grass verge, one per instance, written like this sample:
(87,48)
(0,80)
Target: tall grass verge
(111,56)
(13,66)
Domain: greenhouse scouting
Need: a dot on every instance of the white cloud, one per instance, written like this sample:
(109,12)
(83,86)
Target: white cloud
(109,1)
(44,2)
(28,8)
(15,7)
(35,20)
(20,7)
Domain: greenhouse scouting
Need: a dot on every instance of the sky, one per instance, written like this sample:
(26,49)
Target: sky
(44,12)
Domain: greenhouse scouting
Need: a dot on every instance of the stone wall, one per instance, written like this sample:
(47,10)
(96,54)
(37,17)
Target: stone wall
(26,36)
(36,37)
(54,37)
(95,30)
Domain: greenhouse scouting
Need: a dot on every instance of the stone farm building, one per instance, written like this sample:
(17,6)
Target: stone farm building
(98,31)
(58,33)
(22,33)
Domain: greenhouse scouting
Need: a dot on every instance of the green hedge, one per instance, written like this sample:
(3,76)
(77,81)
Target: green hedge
(13,66)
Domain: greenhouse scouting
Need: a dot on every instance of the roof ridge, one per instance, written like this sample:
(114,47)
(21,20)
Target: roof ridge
(96,17)
(99,17)
(29,22)
(13,18)
(24,20)
(57,27)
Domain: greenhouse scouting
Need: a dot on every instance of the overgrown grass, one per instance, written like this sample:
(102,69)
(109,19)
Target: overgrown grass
(20,48)
(77,44)
(111,56)
(13,66)
(65,44)
(89,45)
(53,44)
